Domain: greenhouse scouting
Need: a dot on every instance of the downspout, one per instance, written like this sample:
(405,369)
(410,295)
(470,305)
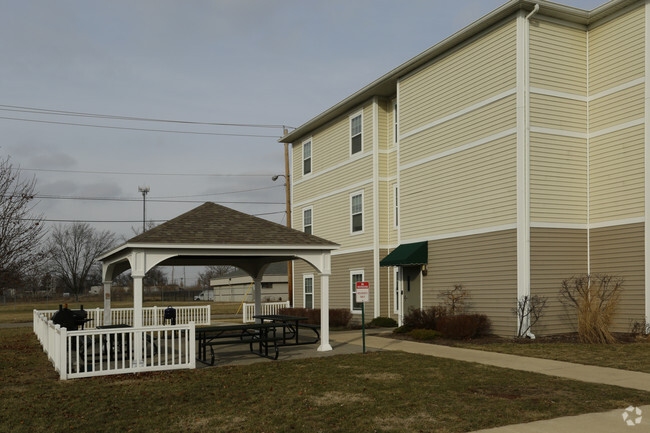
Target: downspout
(529,334)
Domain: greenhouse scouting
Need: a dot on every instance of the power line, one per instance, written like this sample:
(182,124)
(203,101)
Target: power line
(127,199)
(33,110)
(121,221)
(122,173)
(124,128)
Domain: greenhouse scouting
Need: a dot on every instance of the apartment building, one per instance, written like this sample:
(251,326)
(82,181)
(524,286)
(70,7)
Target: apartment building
(505,158)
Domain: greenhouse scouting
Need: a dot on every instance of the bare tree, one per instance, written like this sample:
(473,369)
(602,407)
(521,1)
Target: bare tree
(73,249)
(213,272)
(20,230)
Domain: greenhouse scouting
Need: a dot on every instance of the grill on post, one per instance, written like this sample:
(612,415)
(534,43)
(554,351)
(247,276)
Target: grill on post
(71,319)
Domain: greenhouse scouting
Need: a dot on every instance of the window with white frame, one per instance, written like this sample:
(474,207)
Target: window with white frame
(307,220)
(395,206)
(356,212)
(356,125)
(306,157)
(396,130)
(308,284)
(355,277)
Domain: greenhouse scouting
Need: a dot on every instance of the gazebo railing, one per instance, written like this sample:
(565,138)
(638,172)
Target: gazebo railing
(99,352)
(267,308)
(151,316)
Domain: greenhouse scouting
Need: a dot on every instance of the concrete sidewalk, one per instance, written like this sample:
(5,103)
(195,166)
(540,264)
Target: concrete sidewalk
(605,422)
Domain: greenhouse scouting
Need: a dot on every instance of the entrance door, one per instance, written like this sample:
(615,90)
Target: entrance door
(411,287)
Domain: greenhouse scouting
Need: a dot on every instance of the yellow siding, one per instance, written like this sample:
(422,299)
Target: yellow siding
(340,283)
(385,222)
(556,254)
(619,251)
(486,266)
(467,190)
(383,165)
(558,58)
(475,72)
(558,113)
(558,179)
(382,124)
(486,121)
(359,170)
(616,51)
(617,108)
(300,268)
(617,175)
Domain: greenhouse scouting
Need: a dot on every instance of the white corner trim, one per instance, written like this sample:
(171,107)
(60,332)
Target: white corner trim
(647,162)
(558,94)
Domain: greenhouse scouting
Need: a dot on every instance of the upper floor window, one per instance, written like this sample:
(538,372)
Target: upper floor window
(395,124)
(306,157)
(306,220)
(356,124)
(356,208)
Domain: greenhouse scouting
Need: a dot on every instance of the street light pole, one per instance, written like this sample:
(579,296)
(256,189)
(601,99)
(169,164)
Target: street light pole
(144,190)
(287,188)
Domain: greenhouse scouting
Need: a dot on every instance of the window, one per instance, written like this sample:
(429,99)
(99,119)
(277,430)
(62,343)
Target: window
(306,157)
(355,134)
(355,277)
(308,284)
(396,133)
(356,207)
(306,220)
(396,206)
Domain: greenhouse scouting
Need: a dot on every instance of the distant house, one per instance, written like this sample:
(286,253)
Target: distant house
(237,285)
(506,158)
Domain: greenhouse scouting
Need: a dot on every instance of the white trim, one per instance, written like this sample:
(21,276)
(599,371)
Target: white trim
(375,204)
(618,88)
(395,126)
(335,192)
(398,156)
(352,287)
(478,231)
(647,163)
(560,132)
(588,143)
(304,291)
(395,290)
(311,157)
(614,223)
(388,151)
(350,118)
(395,205)
(363,213)
(558,94)
(291,180)
(387,179)
(462,148)
(618,127)
(353,250)
(311,210)
(311,176)
(459,113)
(553,225)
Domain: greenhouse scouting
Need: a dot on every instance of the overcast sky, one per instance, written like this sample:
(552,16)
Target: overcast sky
(265,62)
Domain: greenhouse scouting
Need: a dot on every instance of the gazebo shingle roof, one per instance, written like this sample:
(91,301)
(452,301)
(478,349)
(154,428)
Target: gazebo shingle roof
(211,223)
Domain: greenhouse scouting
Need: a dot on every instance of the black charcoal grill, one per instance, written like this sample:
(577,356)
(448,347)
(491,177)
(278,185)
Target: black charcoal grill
(71,319)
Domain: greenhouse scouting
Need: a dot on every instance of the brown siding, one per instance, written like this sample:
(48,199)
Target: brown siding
(556,254)
(486,266)
(619,251)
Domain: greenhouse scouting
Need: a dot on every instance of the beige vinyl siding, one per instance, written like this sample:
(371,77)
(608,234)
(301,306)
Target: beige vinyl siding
(301,268)
(619,251)
(558,57)
(296,160)
(617,108)
(358,170)
(555,255)
(385,281)
(558,113)
(467,190)
(486,266)
(486,121)
(558,179)
(340,284)
(616,51)
(385,220)
(332,219)
(382,124)
(478,70)
(392,163)
(617,175)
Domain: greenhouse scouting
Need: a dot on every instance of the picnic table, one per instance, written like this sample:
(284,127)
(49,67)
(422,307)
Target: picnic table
(291,328)
(259,336)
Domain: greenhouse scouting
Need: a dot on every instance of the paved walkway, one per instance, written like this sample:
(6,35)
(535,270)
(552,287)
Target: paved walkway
(606,422)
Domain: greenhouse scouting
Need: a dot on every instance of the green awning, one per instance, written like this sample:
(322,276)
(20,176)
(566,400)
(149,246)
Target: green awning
(408,254)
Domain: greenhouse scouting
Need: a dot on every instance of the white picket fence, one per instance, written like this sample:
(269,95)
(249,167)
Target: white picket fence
(151,316)
(119,350)
(267,308)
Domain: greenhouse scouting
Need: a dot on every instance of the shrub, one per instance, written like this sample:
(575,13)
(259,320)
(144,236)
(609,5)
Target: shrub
(463,326)
(383,322)
(339,317)
(423,318)
(529,310)
(402,330)
(594,298)
(424,334)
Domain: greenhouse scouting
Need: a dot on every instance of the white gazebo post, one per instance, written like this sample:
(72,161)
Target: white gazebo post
(325,304)
(137,319)
(107,303)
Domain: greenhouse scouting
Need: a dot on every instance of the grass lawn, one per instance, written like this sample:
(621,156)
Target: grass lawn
(628,356)
(382,391)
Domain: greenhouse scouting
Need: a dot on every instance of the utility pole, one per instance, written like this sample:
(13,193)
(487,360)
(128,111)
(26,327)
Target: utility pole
(287,189)
(144,190)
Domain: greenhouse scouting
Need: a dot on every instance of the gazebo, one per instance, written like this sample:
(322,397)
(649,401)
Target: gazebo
(211,234)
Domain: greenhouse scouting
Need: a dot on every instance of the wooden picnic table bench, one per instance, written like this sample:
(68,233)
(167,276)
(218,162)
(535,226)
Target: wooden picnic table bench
(259,337)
